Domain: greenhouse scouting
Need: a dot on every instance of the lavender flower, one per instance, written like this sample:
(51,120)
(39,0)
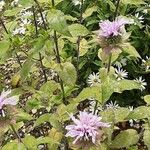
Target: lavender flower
(86,128)
(5,100)
(108,29)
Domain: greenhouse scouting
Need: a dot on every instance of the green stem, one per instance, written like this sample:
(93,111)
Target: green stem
(109,62)
(58,61)
(117,7)
(17,136)
(79,37)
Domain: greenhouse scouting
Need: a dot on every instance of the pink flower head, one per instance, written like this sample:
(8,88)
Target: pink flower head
(108,28)
(5,100)
(85,128)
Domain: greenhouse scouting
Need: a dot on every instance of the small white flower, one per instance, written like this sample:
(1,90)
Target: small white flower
(146,63)
(39,20)
(141,82)
(76,2)
(93,79)
(27,13)
(20,30)
(121,74)
(2,3)
(112,105)
(140,18)
(130,108)
(25,22)
(93,105)
(121,63)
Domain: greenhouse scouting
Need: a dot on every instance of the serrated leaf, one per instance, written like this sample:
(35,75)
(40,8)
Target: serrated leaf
(42,119)
(49,87)
(78,30)
(129,49)
(30,142)
(125,139)
(90,92)
(140,113)
(12,12)
(67,73)
(127,85)
(57,21)
(88,12)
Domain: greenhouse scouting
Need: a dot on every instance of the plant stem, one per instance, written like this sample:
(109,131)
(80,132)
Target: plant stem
(1,21)
(17,136)
(42,67)
(109,62)
(116,11)
(40,56)
(18,59)
(56,50)
(79,37)
(41,14)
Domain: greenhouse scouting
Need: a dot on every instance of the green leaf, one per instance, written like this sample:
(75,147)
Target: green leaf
(121,114)
(45,140)
(42,119)
(135,2)
(146,138)
(14,145)
(140,113)
(57,21)
(127,85)
(89,11)
(128,48)
(78,30)
(125,139)
(4,46)
(83,47)
(26,68)
(147,99)
(22,116)
(49,87)
(67,73)
(90,92)
(26,3)
(30,142)
(12,12)
(56,136)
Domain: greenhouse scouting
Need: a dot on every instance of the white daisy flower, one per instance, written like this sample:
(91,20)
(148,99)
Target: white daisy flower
(112,105)
(141,82)
(2,3)
(121,74)
(93,105)
(140,18)
(20,30)
(146,63)
(27,13)
(93,79)
(121,63)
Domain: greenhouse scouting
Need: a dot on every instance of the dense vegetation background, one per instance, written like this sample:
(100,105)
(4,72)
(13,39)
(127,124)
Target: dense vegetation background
(58,64)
